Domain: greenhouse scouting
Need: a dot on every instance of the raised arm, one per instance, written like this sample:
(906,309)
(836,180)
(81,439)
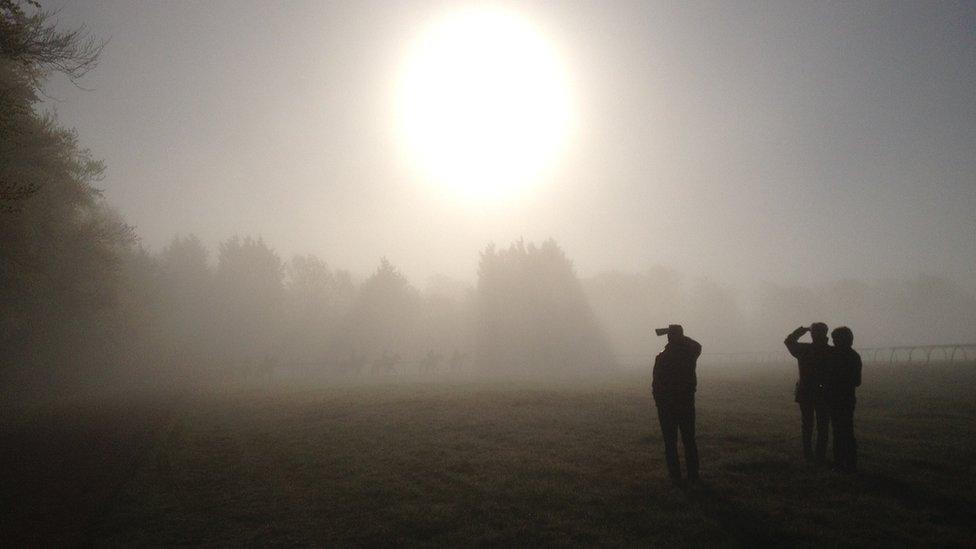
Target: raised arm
(792,341)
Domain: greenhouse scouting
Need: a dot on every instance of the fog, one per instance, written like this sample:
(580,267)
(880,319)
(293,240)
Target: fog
(738,168)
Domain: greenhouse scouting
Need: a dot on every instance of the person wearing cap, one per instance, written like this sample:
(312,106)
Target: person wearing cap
(673,387)
(814,361)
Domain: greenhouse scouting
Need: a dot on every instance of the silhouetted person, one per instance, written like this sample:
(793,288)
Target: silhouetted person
(814,360)
(845,376)
(673,386)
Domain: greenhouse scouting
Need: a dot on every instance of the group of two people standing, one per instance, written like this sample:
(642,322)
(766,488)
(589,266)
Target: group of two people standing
(825,393)
(829,376)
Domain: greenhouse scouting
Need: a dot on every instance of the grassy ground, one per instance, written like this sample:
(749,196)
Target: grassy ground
(487,463)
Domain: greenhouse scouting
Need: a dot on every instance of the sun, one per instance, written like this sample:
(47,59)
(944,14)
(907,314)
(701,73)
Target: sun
(483,104)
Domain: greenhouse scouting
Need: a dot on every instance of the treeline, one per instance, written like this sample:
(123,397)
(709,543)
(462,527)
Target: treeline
(245,310)
(186,314)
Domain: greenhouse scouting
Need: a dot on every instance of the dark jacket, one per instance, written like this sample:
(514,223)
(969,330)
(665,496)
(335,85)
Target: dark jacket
(814,360)
(845,375)
(674,371)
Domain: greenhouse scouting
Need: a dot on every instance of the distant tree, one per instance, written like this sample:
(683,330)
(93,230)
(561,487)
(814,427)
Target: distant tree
(385,313)
(309,277)
(447,315)
(186,309)
(131,325)
(249,267)
(316,299)
(249,284)
(533,315)
(183,264)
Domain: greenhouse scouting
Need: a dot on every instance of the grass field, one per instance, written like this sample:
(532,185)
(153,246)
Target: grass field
(467,462)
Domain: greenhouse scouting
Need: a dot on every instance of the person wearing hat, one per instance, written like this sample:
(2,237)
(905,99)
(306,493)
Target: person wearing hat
(673,387)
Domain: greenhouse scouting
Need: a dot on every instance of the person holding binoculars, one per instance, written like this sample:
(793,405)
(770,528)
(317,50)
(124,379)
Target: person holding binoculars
(673,387)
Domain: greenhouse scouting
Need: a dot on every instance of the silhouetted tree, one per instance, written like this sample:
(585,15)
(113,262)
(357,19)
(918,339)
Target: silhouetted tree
(447,315)
(31,48)
(385,313)
(316,299)
(533,315)
(249,288)
(61,248)
(186,311)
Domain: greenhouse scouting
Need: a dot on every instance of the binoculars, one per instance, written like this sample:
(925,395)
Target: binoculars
(672,329)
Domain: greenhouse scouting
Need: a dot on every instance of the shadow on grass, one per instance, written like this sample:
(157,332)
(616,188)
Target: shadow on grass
(944,509)
(745,527)
(760,466)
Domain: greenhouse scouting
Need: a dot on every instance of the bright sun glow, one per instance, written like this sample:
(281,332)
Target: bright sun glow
(483,104)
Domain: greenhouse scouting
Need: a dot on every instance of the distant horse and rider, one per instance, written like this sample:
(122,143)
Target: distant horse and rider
(387,363)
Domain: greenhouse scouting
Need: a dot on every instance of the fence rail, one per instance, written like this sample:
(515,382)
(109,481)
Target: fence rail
(900,354)
(963,352)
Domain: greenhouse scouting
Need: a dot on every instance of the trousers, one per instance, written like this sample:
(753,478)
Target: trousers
(845,445)
(815,411)
(675,416)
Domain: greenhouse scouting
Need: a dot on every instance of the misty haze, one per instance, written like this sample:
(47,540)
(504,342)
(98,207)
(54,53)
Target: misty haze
(487,273)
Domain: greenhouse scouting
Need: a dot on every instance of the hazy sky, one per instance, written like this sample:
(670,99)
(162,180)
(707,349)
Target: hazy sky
(741,141)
